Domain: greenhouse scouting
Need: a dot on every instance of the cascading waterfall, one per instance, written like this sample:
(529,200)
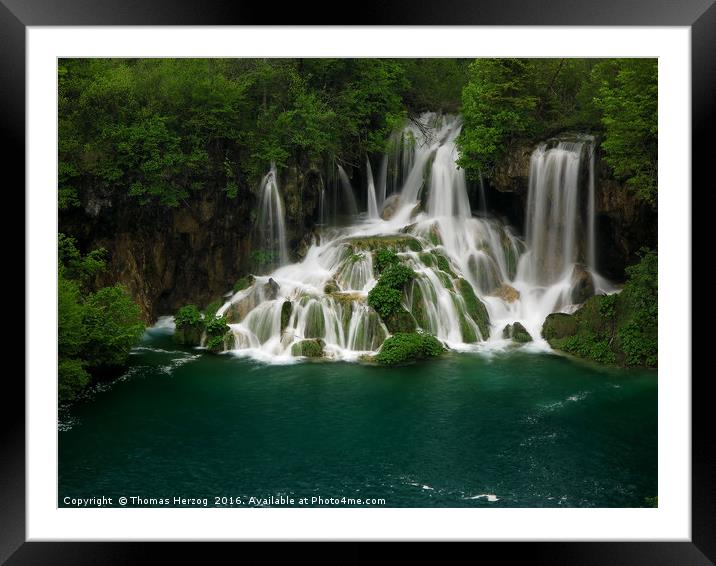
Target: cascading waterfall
(349,198)
(372,201)
(271,221)
(473,275)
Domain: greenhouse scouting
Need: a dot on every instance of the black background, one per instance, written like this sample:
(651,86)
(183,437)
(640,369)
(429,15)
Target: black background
(15,15)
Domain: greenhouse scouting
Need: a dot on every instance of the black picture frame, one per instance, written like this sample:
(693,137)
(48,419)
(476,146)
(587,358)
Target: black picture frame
(17,15)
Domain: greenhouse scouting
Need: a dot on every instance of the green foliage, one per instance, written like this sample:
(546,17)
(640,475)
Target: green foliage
(385,300)
(614,329)
(210,310)
(96,330)
(403,347)
(76,266)
(385,257)
(163,129)
(188,315)
(591,347)
(627,97)
(215,343)
(386,296)
(396,276)
(243,283)
(114,324)
(608,306)
(263,258)
(639,336)
(509,99)
(72,378)
(216,326)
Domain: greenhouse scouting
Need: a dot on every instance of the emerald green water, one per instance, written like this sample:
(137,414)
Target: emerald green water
(534,430)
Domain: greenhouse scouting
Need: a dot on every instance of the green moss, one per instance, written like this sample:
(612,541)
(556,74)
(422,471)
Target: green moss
(189,326)
(417,308)
(517,333)
(400,321)
(427,259)
(443,264)
(474,307)
(405,347)
(613,329)
(243,283)
(559,325)
(315,322)
(286,310)
(308,348)
(397,242)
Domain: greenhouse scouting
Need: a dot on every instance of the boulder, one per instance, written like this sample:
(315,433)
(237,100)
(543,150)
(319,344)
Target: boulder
(308,348)
(271,289)
(559,325)
(390,207)
(582,284)
(507,293)
(517,333)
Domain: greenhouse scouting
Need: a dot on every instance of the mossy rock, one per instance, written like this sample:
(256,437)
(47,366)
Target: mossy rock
(399,242)
(411,346)
(400,321)
(417,307)
(443,264)
(517,333)
(308,348)
(218,344)
(582,285)
(474,307)
(331,287)
(315,323)
(559,325)
(243,283)
(286,310)
(189,335)
(428,259)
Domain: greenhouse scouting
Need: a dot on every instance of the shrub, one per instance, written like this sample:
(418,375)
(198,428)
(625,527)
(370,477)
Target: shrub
(385,257)
(404,347)
(385,300)
(188,315)
(72,378)
(114,324)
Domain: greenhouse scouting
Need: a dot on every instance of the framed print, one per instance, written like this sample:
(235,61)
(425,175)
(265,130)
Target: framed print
(422,278)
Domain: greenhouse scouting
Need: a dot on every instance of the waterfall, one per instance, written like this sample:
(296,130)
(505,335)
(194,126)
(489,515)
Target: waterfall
(271,221)
(349,199)
(483,198)
(372,202)
(473,275)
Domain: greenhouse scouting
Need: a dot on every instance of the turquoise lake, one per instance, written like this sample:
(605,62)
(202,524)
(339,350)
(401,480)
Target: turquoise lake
(509,429)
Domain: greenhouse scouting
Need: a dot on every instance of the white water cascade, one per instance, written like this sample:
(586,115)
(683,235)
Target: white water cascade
(474,275)
(271,221)
(372,201)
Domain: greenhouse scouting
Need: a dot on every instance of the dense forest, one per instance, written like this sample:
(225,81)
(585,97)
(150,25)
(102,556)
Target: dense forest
(147,139)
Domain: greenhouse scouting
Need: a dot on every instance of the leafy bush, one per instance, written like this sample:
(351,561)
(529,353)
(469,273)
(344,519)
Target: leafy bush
(404,347)
(639,336)
(217,326)
(72,378)
(113,324)
(188,315)
(396,275)
(385,300)
(385,257)
(96,330)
